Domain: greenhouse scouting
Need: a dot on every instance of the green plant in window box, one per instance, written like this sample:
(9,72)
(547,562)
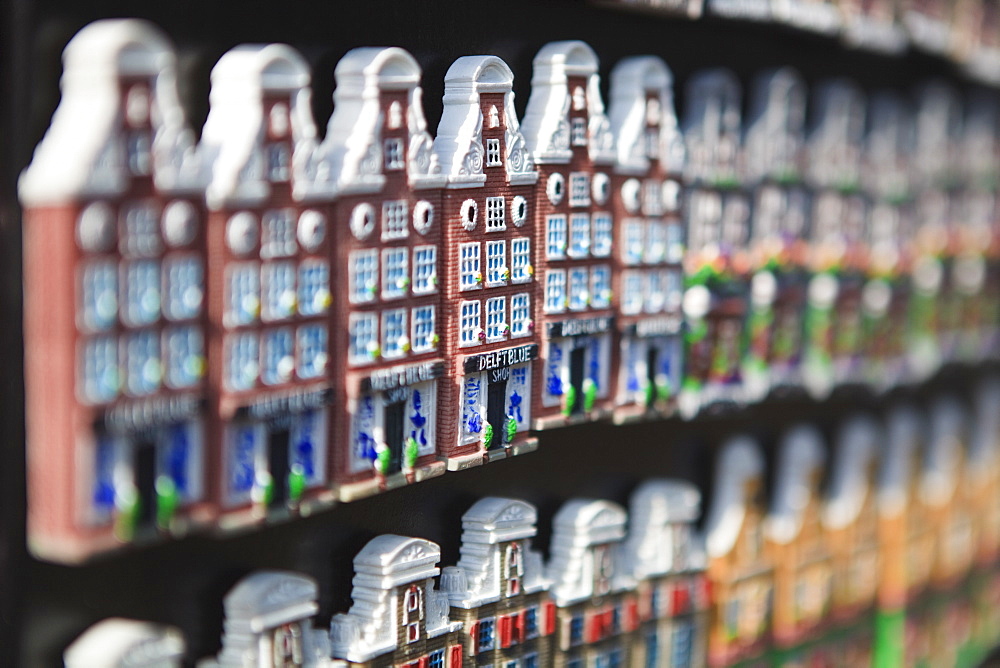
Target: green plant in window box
(410,453)
(168,500)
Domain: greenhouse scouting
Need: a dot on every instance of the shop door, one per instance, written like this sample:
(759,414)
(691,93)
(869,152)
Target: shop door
(395,423)
(496,405)
(278,466)
(576,367)
(652,360)
(145,483)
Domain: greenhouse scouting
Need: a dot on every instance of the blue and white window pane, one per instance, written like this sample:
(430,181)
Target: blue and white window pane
(138,152)
(486,638)
(656,248)
(100,374)
(632,292)
(363,278)
(424,269)
(579,189)
(363,337)
(469,269)
(555,291)
(242,294)
(602,235)
(634,241)
(420,413)
(245,453)
(496,327)
(674,289)
(141,302)
(143,368)
(579,295)
(423,329)
(656,291)
(394,339)
(308,446)
(600,287)
(675,243)
(100,295)
(520,315)
(141,234)
(496,263)
(531,661)
(579,235)
(518,401)
(278,233)
(312,340)
(185,353)
(469,323)
(471,428)
(278,285)
(184,277)
(555,237)
(279,356)
(436,659)
(314,287)
(520,259)
(681,642)
(179,453)
(395,272)
(107,455)
(362,434)
(279,160)
(242,362)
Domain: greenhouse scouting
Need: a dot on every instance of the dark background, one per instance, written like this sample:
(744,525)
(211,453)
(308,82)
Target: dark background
(43,607)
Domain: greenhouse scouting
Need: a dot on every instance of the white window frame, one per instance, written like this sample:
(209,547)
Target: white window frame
(520,315)
(656,291)
(392,151)
(395,261)
(395,339)
(470,267)
(496,214)
(278,296)
(631,300)
(579,235)
(470,314)
(316,366)
(578,131)
(278,229)
(184,276)
(496,263)
(242,285)
(555,291)
(602,230)
(140,284)
(578,289)
(358,355)
(424,270)
(656,242)
(493,158)
(579,189)
(634,238)
(652,197)
(600,286)
(555,237)
(496,319)
(395,220)
(363,275)
(520,260)
(274,376)
(423,318)
(251,371)
(313,287)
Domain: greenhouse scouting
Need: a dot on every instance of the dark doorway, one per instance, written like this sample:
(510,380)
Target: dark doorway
(395,422)
(652,361)
(496,405)
(145,483)
(277,463)
(576,366)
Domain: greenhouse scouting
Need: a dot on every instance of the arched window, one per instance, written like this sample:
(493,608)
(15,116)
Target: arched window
(515,569)
(413,612)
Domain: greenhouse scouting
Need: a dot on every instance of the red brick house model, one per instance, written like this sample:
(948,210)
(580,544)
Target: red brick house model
(803,567)
(385,255)
(775,155)
(717,262)
(113,304)
(595,608)
(498,590)
(648,239)
(488,300)
(569,138)
(268,285)
(398,619)
(740,566)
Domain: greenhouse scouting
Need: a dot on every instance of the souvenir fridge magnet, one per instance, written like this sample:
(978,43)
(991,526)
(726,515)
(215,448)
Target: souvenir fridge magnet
(775,156)
(821,16)
(928,24)
(648,245)
(874,26)
(569,137)
(124,643)
(716,262)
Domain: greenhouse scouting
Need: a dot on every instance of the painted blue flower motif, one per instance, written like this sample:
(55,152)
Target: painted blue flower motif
(515,407)
(553,385)
(177,457)
(595,364)
(475,423)
(243,461)
(305,455)
(366,446)
(632,384)
(418,420)
(104,486)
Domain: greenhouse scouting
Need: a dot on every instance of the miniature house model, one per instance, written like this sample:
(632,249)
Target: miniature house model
(126,643)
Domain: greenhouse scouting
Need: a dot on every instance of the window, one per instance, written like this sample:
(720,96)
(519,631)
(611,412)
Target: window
(520,315)
(576,630)
(363,276)
(395,272)
(578,131)
(242,362)
(436,659)
(394,340)
(631,298)
(579,189)
(579,297)
(496,265)
(602,235)
(579,235)
(496,328)
(142,293)
(142,363)
(485,637)
(185,353)
(393,153)
(424,337)
(555,291)
(100,295)
(424,269)
(278,161)
(656,247)
(413,612)
(652,202)
(555,237)
(656,293)
(675,243)
(278,288)
(468,258)
(515,569)
(469,324)
(495,214)
(279,357)
(364,337)
(394,220)
(633,241)
(530,623)
(314,287)
(141,236)
(100,370)
(312,351)
(243,295)
(600,287)
(520,260)
(137,152)
(493,153)
(530,661)
(652,143)
(184,276)
(278,234)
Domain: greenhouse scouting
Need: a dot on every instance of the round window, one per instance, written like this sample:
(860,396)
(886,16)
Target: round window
(601,186)
(180,223)
(242,233)
(470,210)
(670,194)
(556,188)
(312,229)
(95,229)
(519,210)
(362,220)
(423,216)
(630,195)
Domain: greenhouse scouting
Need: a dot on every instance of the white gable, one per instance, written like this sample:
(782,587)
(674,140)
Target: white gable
(776,125)
(739,462)
(850,481)
(712,116)
(800,461)
(579,529)
(126,643)
(654,507)
(836,137)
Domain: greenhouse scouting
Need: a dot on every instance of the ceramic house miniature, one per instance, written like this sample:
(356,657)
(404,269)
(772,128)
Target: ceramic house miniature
(716,263)
(569,137)
(822,16)
(803,566)
(595,609)
(269,287)
(268,622)
(886,292)
(113,302)
(498,590)
(740,567)
(928,24)
(775,158)
(126,643)
(648,243)
(873,25)
(489,300)
(667,559)
(386,253)
(838,237)
(398,618)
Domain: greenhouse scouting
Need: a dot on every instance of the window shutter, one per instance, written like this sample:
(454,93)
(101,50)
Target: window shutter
(474,637)
(455,656)
(631,615)
(505,631)
(422,662)
(594,630)
(519,626)
(550,618)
